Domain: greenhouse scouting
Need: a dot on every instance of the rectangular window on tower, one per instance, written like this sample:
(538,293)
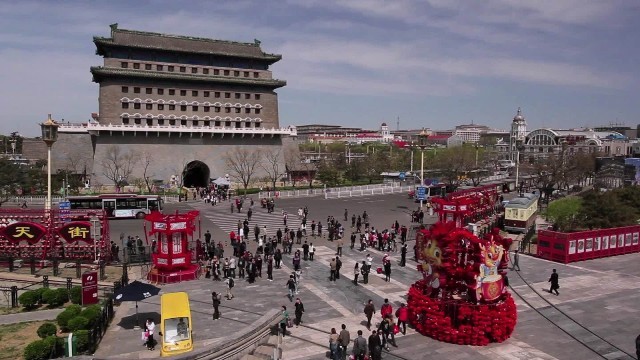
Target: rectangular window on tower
(183,92)
(194,108)
(205,71)
(160,91)
(136,90)
(216,72)
(125,89)
(257,111)
(136,66)
(238,110)
(149,106)
(124,65)
(206,93)
(183,107)
(194,93)
(159,67)
(160,106)
(148,91)
(147,66)
(247,96)
(216,94)
(172,107)
(125,105)
(238,95)
(136,105)
(172,92)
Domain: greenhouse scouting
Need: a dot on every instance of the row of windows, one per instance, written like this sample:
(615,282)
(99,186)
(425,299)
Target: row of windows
(193,108)
(205,123)
(216,94)
(192,70)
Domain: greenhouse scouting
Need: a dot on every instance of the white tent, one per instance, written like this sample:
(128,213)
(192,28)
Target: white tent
(222,182)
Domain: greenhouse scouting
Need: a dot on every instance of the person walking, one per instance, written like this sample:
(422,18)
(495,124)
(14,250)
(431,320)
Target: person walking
(284,321)
(291,287)
(402,314)
(270,268)
(403,255)
(359,347)
(369,310)
(554,283)
(344,338)
(150,327)
(356,273)
(340,245)
(387,270)
(386,309)
(305,251)
(299,311)
(375,346)
(364,270)
(516,260)
(333,345)
(312,251)
(230,284)
(215,299)
(241,266)
(338,267)
(332,266)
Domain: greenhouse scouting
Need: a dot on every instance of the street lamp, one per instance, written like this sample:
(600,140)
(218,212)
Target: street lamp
(422,144)
(49,136)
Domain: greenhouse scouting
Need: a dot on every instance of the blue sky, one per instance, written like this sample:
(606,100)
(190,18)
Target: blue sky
(433,63)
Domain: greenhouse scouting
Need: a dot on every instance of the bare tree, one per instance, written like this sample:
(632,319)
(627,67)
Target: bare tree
(118,166)
(271,165)
(147,159)
(242,164)
(292,159)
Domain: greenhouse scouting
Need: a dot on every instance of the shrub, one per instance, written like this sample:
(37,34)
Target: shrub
(55,346)
(47,296)
(69,313)
(62,296)
(82,340)
(78,323)
(37,350)
(92,313)
(47,329)
(40,292)
(76,294)
(29,299)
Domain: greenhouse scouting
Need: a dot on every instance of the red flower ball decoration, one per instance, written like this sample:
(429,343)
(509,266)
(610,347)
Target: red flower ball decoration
(450,304)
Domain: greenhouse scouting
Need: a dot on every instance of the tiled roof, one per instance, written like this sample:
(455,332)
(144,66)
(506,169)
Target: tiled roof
(151,40)
(100,71)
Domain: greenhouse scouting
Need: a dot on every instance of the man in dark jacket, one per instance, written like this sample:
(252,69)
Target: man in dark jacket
(299,311)
(343,341)
(375,346)
(554,283)
(369,310)
(360,346)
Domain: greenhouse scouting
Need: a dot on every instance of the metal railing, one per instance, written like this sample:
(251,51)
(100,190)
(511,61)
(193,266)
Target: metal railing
(345,193)
(359,190)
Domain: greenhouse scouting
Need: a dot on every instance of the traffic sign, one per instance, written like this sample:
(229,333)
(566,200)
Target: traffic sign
(402,175)
(421,193)
(65,210)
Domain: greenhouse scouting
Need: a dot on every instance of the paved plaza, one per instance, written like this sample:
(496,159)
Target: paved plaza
(599,294)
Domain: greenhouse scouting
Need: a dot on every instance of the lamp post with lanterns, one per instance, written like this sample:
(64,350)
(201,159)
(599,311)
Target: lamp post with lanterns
(422,144)
(49,136)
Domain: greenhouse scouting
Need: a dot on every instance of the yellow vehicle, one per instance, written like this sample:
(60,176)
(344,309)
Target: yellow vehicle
(175,325)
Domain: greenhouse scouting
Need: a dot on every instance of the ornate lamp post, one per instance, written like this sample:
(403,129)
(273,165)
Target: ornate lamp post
(49,136)
(422,144)
(519,148)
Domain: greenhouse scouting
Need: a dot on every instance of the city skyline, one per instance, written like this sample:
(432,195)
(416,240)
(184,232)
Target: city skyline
(433,63)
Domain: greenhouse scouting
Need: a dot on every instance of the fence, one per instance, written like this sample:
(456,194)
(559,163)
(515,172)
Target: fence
(41,199)
(338,193)
(361,189)
(585,245)
(12,293)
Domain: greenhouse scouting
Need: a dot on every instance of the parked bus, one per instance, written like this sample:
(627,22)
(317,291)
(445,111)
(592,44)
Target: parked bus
(119,205)
(176,333)
(520,213)
(430,191)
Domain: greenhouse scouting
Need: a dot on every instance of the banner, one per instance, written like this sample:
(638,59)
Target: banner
(89,288)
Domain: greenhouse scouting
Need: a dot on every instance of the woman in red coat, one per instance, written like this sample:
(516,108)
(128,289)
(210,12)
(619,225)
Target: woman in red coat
(403,315)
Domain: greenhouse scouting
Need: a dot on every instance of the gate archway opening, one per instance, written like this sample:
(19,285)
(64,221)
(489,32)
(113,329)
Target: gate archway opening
(196,174)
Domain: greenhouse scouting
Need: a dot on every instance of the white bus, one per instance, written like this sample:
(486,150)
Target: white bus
(119,205)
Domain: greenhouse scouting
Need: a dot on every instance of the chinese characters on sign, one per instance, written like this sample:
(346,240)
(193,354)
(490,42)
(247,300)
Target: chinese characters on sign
(76,231)
(31,232)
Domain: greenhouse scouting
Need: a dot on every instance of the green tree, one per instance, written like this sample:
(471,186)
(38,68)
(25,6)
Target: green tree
(605,210)
(328,173)
(565,213)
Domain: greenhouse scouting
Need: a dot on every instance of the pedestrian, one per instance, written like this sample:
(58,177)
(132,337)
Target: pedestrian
(356,273)
(150,326)
(296,260)
(332,266)
(305,251)
(375,346)
(340,245)
(387,269)
(638,347)
(232,267)
(403,315)
(344,338)
(270,268)
(299,311)
(284,321)
(215,299)
(312,251)
(338,267)
(554,283)
(516,260)
(369,310)
(277,257)
(333,345)
(241,266)
(230,284)
(291,287)
(403,255)
(360,347)
(364,270)
(386,309)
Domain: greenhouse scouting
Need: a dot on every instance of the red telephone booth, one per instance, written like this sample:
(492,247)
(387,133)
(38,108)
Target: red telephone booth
(172,258)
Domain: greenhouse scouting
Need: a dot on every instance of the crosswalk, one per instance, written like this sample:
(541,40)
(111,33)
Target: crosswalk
(222,217)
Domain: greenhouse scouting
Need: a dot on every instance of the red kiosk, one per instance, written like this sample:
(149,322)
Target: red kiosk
(171,254)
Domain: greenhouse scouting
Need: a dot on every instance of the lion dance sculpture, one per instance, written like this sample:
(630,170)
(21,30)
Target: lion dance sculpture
(462,298)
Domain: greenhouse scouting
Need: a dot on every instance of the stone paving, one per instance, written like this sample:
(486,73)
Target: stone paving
(599,294)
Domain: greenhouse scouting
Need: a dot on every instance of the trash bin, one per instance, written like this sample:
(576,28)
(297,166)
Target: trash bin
(70,346)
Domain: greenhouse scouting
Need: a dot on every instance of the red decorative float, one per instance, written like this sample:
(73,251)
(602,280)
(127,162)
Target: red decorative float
(462,298)
(171,255)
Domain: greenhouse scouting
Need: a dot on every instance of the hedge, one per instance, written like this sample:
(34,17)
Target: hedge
(92,313)
(82,340)
(47,296)
(47,329)
(37,350)
(55,346)
(69,313)
(78,323)
(29,299)
(76,294)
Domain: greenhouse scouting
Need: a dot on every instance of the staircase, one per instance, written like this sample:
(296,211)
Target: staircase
(271,350)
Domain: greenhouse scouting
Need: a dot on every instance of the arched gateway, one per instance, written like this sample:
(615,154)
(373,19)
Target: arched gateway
(196,174)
